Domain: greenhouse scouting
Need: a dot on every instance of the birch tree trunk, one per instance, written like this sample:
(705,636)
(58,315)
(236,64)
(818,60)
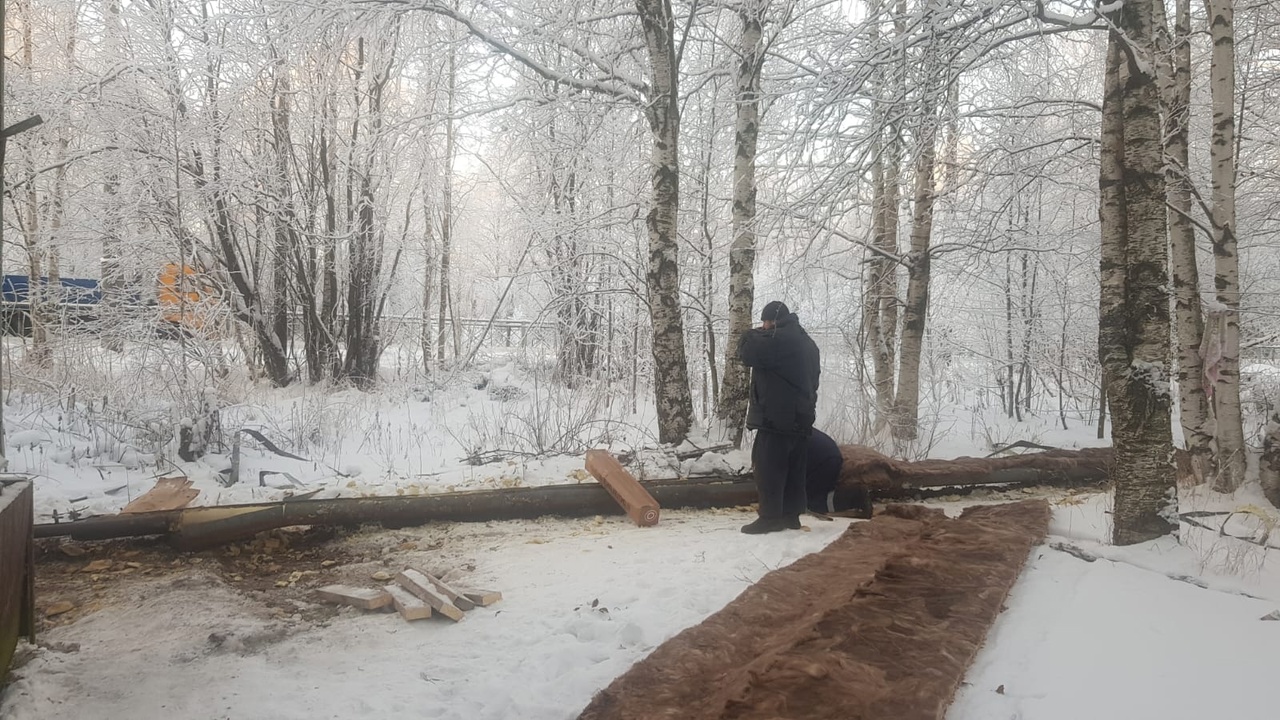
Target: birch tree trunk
(446,206)
(428,283)
(882,333)
(327,340)
(39,352)
(706,270)
(670,368)
(284,220)
(906,416)
(742,252)
(1133,320)
(1175,86)
(1226,264)
(109,312)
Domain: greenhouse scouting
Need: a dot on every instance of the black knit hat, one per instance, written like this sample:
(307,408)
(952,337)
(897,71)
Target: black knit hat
(775,310)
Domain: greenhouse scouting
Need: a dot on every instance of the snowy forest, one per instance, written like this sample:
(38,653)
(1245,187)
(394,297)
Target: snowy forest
(999,220)
(381,359)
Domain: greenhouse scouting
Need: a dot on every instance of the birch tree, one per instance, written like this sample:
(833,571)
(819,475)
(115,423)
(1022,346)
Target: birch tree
(670,368)
(906,405)
(1133,325)
(1224,367)
(1175,66)
(446,206)
(742,253)
(880,319)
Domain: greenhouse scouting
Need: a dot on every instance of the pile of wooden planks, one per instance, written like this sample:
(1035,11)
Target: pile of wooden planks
(415,594)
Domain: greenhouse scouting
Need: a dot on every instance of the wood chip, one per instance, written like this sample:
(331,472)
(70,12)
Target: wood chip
(170,493)
(58,608)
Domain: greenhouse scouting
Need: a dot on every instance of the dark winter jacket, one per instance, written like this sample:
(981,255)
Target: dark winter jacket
(784,384)
(824,453)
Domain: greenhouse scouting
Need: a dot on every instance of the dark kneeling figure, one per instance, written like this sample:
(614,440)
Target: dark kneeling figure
(784,394)
(823,488)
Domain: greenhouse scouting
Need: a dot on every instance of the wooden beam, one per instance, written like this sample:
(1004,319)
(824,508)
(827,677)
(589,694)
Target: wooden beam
(455,597)
(362,598)
(482,598)
(418,584)
(407,604)
(630,494)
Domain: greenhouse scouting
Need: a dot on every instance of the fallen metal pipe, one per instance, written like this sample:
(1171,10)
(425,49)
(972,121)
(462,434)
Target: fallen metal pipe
(204,527)
(201,527)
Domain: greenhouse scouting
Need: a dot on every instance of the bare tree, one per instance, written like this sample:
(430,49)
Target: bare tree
(660,102)
(365,257)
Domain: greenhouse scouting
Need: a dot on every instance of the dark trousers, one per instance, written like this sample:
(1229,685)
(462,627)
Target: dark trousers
(779,465)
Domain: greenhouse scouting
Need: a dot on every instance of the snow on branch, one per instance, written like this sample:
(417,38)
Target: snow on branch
(612,84)
(1081,21)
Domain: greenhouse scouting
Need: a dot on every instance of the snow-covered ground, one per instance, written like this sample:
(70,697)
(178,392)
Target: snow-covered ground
(582,601)
(104,435)
(1156,630)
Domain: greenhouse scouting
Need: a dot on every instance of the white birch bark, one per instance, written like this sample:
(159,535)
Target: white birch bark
(1226,263)
(742,252)
(1175,85)
(1133,327)
(670,365)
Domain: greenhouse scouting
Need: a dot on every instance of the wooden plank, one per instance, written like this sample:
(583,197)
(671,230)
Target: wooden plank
(362,598)
(455,597)
(170,493)
(407,604)
(482,598)
(418,584)
(625,489)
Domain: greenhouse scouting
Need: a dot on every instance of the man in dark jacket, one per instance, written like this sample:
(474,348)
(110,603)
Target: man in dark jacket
(784,395)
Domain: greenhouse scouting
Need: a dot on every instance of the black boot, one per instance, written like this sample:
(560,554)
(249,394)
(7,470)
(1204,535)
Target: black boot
(769,525)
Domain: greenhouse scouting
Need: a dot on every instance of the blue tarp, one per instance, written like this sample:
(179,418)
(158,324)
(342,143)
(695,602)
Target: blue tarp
(78,291)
